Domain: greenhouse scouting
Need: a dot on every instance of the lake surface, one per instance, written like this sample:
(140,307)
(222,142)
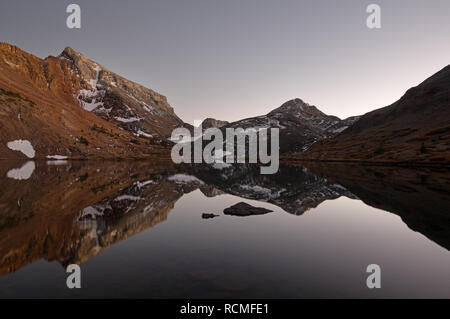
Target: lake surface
(136,230)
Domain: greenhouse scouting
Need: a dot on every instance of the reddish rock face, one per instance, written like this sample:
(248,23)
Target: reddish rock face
(71,106)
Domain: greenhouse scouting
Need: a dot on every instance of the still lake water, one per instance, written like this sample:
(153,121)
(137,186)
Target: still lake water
(136,229)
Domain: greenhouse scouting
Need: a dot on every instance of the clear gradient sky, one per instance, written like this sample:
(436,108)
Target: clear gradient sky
(231,59)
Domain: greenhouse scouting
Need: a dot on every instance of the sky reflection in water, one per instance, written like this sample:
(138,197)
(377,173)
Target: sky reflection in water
(139,232)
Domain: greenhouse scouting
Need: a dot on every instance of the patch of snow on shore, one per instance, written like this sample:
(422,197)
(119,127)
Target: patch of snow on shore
(23,146)
(57,157)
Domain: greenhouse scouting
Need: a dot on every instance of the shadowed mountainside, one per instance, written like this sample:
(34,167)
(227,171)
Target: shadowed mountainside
(300,125)
(415,129)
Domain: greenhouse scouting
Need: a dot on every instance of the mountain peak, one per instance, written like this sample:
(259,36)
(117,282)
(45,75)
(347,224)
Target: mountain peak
(211,122)
(70,52)
(6,45)
(296,105)
(296,101)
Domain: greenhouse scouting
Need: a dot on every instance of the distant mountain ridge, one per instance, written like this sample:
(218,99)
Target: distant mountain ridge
(210,123)
(415,129)
(73,79)
(300,125)
(69,106)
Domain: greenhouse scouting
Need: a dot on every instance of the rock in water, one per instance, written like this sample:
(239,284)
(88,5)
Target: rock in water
(244,209)
(208,216)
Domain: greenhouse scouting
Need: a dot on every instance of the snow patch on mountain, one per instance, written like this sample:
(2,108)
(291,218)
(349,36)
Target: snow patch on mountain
(221,166)
(91,99)
(91,212)
(143,184)
(127,120)
(127,197)
(142,133)
(184,179)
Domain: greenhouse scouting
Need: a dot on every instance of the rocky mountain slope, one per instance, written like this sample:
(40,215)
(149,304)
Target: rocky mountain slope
(210,122)
(70,106)
(415,129)
(301,125)
(131,106)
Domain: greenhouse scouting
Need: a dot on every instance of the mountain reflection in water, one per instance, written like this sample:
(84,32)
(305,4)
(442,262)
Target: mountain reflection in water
(72,211)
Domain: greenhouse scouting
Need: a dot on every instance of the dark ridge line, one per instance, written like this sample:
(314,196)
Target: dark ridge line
(368,163)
